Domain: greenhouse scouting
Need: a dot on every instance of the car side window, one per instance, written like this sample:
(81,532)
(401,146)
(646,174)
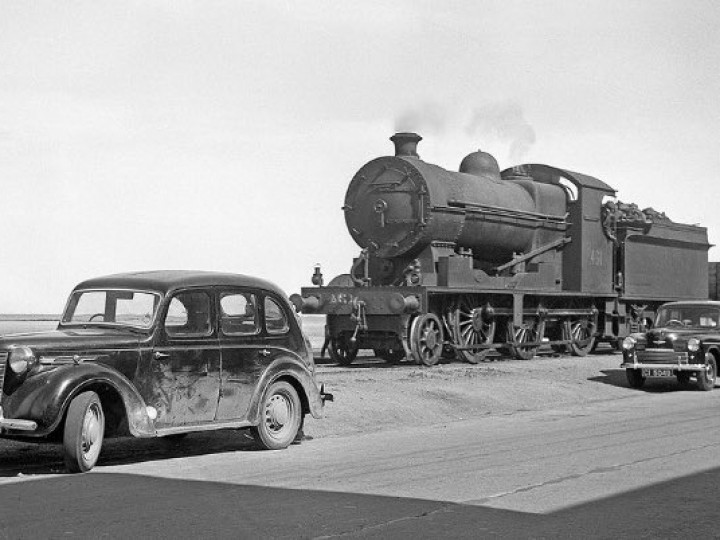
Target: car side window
(238,314)
(275,319)
(189,315)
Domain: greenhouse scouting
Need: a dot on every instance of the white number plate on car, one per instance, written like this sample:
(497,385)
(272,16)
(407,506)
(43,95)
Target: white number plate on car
(657,372)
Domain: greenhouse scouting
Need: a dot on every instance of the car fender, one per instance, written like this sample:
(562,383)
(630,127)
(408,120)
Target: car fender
(710,342)
(287,367)
(45,396)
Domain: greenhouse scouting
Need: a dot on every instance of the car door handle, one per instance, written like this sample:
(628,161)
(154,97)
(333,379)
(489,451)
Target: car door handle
(264,352)
(159,355)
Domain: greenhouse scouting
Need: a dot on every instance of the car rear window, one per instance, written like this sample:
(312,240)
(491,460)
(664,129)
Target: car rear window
(275,319)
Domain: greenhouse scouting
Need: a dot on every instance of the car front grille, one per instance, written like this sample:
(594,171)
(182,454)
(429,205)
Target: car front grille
(3,364)
(661,356)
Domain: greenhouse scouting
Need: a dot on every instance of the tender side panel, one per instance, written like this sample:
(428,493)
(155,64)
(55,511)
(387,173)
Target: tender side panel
(658,267)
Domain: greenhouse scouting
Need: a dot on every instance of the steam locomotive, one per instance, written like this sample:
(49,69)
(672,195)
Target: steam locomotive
(484,260)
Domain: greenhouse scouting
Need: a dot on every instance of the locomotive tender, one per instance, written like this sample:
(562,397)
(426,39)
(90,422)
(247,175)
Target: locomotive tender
(481,260)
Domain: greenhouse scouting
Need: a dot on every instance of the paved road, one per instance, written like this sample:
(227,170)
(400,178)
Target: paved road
(644,466)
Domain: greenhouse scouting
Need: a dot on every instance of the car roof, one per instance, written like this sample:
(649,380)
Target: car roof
(700,303)
(165,281)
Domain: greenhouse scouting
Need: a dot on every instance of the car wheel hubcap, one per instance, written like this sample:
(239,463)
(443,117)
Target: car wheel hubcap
(278,412)
(91,432)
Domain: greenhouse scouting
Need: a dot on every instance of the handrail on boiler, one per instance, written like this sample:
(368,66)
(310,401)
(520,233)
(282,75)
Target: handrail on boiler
(454,203)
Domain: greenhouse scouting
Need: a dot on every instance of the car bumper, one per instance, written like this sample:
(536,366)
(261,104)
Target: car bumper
(674,367)
(16,424)
(662,359)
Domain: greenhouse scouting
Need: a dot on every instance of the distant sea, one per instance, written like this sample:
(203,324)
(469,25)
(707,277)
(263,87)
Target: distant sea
(21,323)
(313,325)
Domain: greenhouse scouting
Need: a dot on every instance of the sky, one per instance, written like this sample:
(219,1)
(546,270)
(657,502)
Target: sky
(222,135)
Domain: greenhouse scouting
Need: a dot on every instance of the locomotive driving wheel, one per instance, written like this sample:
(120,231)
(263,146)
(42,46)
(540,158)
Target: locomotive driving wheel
(529,332)
(342,351)
(426,339)
(472,326)
(581,332)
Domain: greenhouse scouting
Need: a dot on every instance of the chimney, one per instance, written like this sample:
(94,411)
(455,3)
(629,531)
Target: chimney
(406,144)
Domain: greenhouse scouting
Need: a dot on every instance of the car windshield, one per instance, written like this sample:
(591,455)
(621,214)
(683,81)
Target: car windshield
(117,307)
(688,316)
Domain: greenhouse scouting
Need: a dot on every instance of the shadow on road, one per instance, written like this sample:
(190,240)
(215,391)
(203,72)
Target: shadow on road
(613,377)
(20,458)
(617,377)
(112,505)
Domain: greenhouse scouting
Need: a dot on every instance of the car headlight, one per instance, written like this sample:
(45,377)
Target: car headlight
(21,359)
(629,343)
(693,344)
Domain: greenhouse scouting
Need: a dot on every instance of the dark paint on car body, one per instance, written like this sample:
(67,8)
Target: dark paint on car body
(163,375)
(685,343)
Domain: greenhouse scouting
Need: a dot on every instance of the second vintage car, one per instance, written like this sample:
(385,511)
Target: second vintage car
(162,353)
(684,344)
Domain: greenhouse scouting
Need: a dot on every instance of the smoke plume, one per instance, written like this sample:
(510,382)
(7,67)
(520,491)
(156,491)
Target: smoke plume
(504,121)
(427,118)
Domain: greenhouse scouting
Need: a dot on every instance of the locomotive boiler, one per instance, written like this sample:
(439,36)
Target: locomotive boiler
(483,260)
(397,206)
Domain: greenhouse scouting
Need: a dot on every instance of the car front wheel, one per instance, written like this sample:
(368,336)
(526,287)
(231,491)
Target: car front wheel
(706,379)
(83,433)
(280,417)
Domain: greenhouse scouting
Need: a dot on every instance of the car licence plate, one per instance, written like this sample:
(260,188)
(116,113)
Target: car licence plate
(657,372)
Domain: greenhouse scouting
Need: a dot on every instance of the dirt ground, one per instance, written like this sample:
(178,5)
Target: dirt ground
(371,395)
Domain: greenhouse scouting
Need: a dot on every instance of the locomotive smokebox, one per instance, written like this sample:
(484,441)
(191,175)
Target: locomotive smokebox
(406,144)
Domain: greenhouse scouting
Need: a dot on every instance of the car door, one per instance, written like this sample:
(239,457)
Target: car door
(243,355)
(186,360)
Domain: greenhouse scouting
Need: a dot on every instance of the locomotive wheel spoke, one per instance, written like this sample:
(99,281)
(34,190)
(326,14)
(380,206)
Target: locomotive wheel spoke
(470,328)
(426,339)
(581,331)
(528,332)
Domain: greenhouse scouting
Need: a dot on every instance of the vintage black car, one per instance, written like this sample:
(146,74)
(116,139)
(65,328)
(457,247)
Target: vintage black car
(684,343)
(156,354)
